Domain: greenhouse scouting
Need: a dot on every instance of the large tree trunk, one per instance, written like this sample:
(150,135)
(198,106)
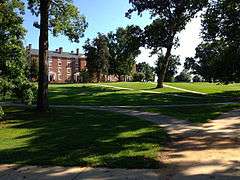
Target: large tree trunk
(42,99)
(98,77)
(119,78)
(163,68)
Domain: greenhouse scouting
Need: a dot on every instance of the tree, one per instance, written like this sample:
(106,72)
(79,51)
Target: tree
(196,78)
(174,62)
(124,48)
(215,61)
(205,61)
(138,77)
(221,32)
(60,17)
(97,54)
(34,68)
(13,62)
(171,17)
(184,76)
(147,70)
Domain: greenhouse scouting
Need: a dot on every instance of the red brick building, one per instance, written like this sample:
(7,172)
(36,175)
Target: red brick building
(64,67)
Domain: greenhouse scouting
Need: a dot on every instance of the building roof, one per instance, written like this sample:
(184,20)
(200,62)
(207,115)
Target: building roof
(60,55)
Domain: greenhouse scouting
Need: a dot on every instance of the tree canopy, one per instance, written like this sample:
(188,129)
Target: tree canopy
(63,18)
(13,62)
(217,57)
(58,17)
(147,70)
(184,76)
(171,71)
(171,17)
(124,47)
(97,53)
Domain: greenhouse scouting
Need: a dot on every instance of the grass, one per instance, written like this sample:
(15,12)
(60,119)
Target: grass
(194,114)
(74,137)
(139,94)
(231,90)
(89,94)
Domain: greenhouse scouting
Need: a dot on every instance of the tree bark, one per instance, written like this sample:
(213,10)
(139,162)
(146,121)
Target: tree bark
(98,77)
(42,99)
(163,68)
(119,78)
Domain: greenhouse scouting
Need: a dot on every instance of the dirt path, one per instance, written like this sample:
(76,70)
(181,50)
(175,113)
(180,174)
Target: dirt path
(209,151)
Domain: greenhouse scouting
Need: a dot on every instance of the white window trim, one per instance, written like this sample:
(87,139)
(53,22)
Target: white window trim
(59,77)
(69,70)
(59,70)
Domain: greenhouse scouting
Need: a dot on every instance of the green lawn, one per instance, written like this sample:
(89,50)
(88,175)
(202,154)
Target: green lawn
(194,114)
(231,90)
(74,137)
(141,94)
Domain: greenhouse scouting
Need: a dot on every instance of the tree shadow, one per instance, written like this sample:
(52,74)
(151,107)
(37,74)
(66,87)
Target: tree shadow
(80,138)
(64,139)
(89,95)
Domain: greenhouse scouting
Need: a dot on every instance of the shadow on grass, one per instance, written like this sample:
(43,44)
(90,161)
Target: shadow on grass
(193,114)
(230,94)
(100,139)
(89,95)
(79,138)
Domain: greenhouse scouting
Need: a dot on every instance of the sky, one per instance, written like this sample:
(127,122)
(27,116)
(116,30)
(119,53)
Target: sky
(107,15)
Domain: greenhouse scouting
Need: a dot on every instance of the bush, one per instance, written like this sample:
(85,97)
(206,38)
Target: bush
(196,79)
(183,77)
(169,79)
(138,77)
(85,77)
(5,87)
(19,87)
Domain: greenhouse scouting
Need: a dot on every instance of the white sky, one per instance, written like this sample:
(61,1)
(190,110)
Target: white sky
(189,39)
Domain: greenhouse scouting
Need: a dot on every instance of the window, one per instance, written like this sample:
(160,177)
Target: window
(59,77)
(68,70)
(50,62)
(59,62)
(68,63)
(59,70)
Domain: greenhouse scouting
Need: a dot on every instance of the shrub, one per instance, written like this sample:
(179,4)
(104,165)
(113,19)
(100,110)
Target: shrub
(183,77)
(138,77)
(85,77)
(196,79)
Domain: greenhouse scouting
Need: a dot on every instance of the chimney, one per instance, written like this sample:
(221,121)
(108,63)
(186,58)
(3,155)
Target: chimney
(60,50)
(77,51)
(72,52)
(30,47)
(56,50)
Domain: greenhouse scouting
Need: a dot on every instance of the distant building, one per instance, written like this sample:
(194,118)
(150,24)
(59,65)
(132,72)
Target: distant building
(64,67)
